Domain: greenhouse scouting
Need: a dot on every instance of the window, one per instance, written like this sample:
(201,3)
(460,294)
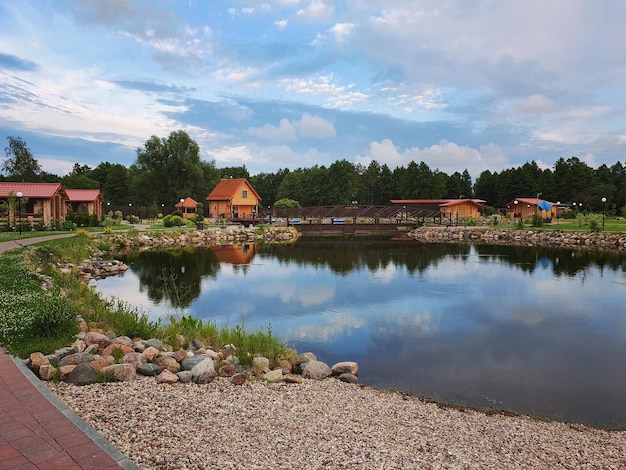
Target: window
(244,193)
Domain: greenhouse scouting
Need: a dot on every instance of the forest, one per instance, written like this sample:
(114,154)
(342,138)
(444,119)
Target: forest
(167,169)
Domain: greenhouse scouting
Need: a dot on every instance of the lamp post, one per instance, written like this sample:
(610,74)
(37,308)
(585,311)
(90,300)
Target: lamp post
(603,211)
(19,209)
(182,206)
(516,202)
(558,206)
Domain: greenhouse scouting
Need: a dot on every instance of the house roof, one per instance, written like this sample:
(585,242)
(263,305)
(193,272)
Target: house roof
(533,201)
(83,195)
(440,202)
(187,202)
(226,189)
(32,190)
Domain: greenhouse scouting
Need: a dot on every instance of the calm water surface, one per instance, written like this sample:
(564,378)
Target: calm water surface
(532,330)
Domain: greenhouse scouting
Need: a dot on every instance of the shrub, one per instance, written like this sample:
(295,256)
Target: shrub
(176,213)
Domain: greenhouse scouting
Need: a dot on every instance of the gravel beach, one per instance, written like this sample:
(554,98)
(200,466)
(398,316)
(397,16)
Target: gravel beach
(325,424)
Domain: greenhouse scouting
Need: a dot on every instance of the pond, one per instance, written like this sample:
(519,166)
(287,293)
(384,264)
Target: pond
(538,331)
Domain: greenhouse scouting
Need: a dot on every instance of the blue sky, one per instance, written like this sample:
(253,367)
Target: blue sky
(458,84)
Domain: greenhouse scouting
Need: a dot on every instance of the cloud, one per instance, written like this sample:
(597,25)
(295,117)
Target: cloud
(307,126)
(310,126)
(281,24)
(342,30)
(316,11)
(284,132)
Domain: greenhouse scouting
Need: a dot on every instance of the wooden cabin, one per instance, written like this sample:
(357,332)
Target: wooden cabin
(40,202)
(85,200)
(233,199)
(527,207)
(449,208)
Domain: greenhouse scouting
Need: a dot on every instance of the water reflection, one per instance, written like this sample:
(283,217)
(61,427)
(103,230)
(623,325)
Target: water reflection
(533,330)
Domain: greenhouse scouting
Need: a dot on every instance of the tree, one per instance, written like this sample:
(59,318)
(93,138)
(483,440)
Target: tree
(234,172)
(20,165)
(167,170)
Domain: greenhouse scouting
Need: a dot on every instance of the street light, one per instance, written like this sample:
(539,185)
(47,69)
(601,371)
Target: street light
(19,209)
(603,211)
(558,206)
(516,202)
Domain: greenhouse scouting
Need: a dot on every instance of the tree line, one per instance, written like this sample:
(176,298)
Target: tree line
(168,169)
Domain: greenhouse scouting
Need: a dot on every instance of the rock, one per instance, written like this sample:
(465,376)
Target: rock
(227,370)
(135,359)
(64,372)
(238,379)
(168,363)
(82,374)
(345,367)
(125,340)
(190,362)
(76,358)
(273,376)
(185,376)
(150,353)
(180,355)
(109,350)
(166,377)
(350,378)
(292,378)
(148,369)
(46,371)
(139,346)
(37,360)
(260,365)
(93,337)
(204,371)
(196,344)
(285,365)
(80,345)
(99,364)
(316,370)
(155,343)
(123,372)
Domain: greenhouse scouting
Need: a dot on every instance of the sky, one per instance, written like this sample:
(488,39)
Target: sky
(457,84)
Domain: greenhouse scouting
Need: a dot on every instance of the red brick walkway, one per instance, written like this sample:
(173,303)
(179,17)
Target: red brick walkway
(38,432)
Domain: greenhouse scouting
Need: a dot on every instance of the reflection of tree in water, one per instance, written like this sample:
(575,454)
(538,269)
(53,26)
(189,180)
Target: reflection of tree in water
(562,261)
(173,274)
(343,257)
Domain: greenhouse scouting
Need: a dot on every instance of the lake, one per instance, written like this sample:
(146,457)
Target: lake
(538,331)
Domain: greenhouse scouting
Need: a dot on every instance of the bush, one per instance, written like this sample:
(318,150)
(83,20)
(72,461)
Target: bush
(176,213)
(537,220)
(173,221)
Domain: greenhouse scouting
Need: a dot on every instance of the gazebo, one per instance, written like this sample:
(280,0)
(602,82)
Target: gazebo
(187,206)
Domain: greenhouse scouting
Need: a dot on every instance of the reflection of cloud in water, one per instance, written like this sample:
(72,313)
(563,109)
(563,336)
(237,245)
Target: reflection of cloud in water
(327,324)
(385,275)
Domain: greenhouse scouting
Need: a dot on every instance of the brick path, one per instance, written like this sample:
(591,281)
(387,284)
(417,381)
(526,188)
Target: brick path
(37,431)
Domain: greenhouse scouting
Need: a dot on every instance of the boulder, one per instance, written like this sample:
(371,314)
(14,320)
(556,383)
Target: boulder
(76,358)
(122,372)
(155,343)
(273,376)
(93,337)
(204,371)
(260,365)
(109,350)
(82,374)
(185,376)
(346,367)
(150,353)
(166,377)
(180,355)
(238,379)
(99,364)
(190,362)
(168,363)
(349,378)
(227,370)
(148,369)
(316,370)
(292,378)
(46,372)
(135,359)
(37,360)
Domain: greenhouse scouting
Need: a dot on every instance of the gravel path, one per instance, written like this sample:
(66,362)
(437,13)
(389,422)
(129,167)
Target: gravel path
(324,425)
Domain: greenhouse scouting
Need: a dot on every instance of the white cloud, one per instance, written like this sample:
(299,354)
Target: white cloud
(316,11)
(311,126)
(281,24)
(536,104)
(342,30)
(285,131)
(307,126)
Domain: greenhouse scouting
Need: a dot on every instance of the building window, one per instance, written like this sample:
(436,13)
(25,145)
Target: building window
(244,193)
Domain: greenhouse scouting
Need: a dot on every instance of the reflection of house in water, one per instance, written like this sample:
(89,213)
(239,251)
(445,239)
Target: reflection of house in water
(235,254)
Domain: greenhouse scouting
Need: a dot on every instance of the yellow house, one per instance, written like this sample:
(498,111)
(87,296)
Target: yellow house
(454,208)
(234,199)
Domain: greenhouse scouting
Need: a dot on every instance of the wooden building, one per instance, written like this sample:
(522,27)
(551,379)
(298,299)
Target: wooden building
(39,202)
(527,207)
(85,200)
(187,206)
(449,208)
(233,199)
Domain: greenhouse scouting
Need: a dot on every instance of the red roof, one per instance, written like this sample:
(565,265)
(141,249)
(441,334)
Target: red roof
(533,201)
(83,195)
(188,202)
(32,190)
(441,202)
(226,189)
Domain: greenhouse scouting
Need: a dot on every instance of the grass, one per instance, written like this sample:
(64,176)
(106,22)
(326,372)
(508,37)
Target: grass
(32,319)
